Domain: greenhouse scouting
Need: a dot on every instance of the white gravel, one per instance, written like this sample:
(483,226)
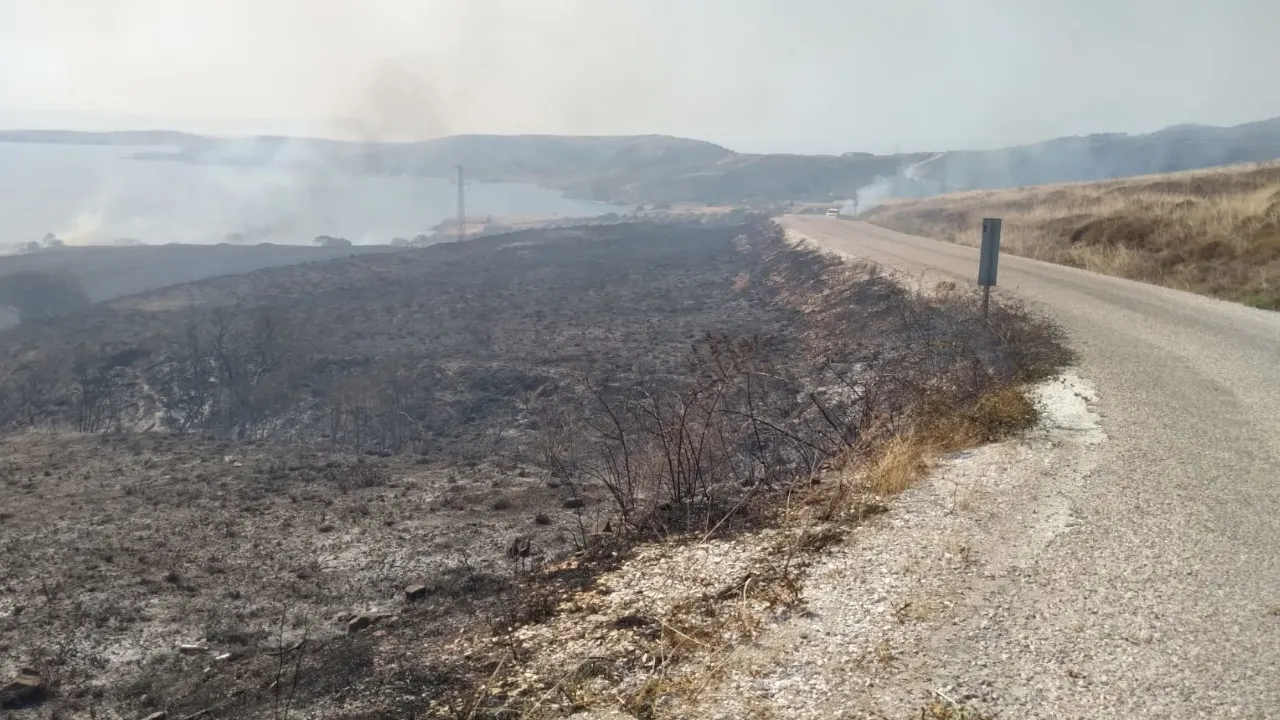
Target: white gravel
(1066,407)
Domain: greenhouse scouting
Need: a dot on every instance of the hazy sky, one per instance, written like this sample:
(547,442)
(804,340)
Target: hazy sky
(802,75)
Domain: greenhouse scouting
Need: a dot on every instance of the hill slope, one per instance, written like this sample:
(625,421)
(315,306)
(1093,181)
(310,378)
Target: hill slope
(1215,232)
(92,274)
(662,169)
(1096,157)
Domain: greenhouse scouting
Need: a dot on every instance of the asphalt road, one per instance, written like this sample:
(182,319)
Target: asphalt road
(1166,593)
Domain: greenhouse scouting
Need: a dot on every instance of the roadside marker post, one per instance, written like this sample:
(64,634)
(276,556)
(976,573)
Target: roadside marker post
(988,259)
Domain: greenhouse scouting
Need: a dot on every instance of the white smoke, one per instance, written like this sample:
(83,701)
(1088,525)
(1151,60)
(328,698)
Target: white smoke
(85,229)
(915,171)
(911,181)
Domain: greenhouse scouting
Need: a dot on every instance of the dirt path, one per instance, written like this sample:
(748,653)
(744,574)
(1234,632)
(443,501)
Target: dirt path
(1126,570)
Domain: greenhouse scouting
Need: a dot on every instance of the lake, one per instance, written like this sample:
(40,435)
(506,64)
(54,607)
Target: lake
(95,194)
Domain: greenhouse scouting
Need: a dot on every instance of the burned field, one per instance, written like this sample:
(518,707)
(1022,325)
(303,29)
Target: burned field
(65,278)
(296,492)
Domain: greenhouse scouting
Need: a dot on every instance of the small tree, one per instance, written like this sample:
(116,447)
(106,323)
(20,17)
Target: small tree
(98,393)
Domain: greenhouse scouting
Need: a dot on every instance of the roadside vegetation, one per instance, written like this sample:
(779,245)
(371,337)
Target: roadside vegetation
(1214,232)
(464,481)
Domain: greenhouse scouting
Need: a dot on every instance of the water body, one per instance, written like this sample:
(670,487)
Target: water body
(89,194)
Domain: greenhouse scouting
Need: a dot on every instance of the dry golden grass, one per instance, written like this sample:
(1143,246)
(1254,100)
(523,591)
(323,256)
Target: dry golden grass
(903,459)
(1214,232)
(997,414)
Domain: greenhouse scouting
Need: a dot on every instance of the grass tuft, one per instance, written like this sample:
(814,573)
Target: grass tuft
(1001,413)
(902,460)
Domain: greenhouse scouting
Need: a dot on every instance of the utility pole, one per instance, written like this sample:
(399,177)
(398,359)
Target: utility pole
(462,206)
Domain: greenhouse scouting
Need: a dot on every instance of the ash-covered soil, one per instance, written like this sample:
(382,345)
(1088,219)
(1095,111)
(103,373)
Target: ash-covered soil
(119,550)
(103,273)
(297,492)
(442,350)
(154,566)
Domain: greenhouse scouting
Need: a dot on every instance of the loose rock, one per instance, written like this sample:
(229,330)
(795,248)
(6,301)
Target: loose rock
(25,690)
(360,622)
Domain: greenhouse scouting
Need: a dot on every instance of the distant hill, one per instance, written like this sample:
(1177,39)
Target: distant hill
(120,137)
(650,169)
(742,178)
(1095,157)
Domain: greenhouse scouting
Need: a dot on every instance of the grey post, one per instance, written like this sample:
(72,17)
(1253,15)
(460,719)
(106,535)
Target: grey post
(988,259)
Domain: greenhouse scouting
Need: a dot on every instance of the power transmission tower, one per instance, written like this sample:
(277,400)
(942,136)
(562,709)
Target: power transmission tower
(462,206)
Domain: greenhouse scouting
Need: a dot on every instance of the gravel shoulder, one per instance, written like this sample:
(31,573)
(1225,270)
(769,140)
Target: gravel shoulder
(1062,575)
(920,604)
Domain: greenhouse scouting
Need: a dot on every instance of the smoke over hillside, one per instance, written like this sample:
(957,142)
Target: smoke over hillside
(1071,159)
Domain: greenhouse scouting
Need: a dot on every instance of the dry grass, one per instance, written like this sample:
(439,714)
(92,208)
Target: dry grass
(999,413)
(905,458)
(1214,232)
(944,708)
(901,461)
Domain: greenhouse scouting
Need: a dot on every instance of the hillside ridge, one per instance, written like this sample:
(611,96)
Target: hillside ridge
(657,169)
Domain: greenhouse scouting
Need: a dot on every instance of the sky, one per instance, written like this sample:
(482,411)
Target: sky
(755,75)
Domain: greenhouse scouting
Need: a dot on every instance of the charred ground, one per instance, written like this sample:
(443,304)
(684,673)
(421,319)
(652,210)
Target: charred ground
(61,279)
(389,353)
(258,467)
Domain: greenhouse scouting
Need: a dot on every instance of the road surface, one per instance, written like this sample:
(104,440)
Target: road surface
(1161,596)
